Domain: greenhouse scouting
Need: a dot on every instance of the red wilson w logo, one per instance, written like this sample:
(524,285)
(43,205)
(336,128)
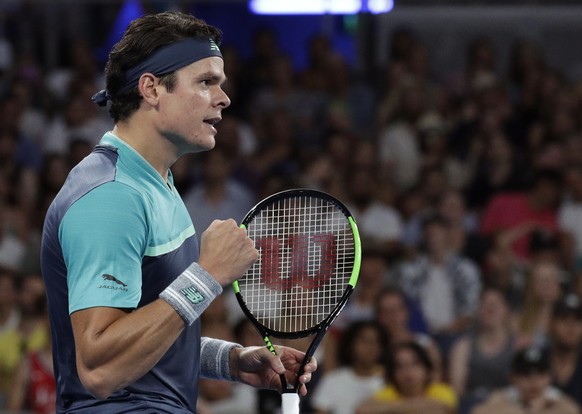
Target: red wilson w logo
(297,260)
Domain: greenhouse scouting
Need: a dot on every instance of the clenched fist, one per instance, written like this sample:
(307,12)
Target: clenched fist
(226,252)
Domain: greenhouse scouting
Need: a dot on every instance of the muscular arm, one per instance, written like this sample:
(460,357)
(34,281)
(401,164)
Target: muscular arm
(115,348)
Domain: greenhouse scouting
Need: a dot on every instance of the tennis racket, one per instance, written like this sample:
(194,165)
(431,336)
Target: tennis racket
(308,266)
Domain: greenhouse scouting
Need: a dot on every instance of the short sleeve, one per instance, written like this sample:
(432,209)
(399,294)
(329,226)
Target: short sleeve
(103,236)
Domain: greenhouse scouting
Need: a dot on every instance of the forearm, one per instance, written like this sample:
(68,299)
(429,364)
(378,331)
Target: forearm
(113,355)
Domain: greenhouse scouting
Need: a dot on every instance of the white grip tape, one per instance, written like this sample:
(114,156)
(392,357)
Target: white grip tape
(290,403)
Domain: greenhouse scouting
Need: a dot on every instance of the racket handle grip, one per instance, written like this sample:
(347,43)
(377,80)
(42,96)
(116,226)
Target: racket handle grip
(289,403)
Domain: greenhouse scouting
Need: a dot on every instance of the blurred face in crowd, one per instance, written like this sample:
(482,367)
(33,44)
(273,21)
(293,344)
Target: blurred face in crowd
(566,331)
(372,270)
(31,293)
(367,348)
(452,206)
(531,385)
(7,291)
(546,282)
(410,374)
(436,237)
(493,309)
(392,312)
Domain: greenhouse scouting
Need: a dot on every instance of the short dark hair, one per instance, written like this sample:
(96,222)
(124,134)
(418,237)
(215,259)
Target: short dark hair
(421,354)
(390,290)
(529,360)
(351,333)
(144,36)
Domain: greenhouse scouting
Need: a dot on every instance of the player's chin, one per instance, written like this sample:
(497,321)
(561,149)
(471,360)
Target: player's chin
(205,144)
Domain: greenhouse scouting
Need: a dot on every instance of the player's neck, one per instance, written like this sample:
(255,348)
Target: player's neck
(155,150)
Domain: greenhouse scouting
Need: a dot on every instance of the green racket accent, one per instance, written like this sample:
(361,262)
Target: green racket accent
(269,345)
(358,254)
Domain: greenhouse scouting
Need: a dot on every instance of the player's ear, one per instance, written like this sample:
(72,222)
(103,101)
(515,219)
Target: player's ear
(147,88)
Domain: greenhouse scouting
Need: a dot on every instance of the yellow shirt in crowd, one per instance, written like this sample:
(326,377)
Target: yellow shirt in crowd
(437,390)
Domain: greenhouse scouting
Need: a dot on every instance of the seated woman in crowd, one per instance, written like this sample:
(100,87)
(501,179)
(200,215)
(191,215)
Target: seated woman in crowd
(409,387)
(479,361)
(402,322)
(360,374)
(542,290)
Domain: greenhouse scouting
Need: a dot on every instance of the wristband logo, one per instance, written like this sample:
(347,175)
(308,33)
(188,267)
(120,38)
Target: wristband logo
(193,295)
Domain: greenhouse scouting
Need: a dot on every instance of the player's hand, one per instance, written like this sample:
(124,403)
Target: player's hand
(258,367)
(226,252)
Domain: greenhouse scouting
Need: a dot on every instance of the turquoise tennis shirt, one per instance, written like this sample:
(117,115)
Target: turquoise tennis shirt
(116,235)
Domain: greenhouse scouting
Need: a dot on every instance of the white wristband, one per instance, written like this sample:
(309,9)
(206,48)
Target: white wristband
(191,293)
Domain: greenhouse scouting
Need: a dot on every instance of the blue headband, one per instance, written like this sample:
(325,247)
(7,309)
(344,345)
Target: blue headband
(164,60)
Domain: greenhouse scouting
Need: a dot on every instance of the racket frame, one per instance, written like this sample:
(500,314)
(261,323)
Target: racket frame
(320,328)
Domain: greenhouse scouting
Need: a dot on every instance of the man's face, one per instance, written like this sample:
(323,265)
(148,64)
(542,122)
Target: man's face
(532,385)
(392,312)
(188,112)
(567,331)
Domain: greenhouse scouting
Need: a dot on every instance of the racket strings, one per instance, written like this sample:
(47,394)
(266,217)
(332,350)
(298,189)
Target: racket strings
(307,254)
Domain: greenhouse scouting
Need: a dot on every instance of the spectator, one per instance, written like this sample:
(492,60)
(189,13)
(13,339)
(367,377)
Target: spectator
(480,57)
(283,94)
(527,210)
(570,211)
(380,224)
(217,195)
(373,274)
(566,346)
(530,390)
(497,168)
(360,372)
(479,361)
(447,285)
(398,140)
(464,224)
(402,321)
(10,318)
(80,120)
(351,102)
(503,269)
(542,291)
(409,387)
(34,386)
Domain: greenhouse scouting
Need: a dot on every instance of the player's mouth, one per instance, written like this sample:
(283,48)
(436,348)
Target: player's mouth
(212,122)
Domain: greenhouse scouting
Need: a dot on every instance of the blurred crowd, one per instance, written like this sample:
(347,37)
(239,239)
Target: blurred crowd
(467,191)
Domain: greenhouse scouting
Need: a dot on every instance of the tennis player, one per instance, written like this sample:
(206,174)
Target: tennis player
(126,279)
